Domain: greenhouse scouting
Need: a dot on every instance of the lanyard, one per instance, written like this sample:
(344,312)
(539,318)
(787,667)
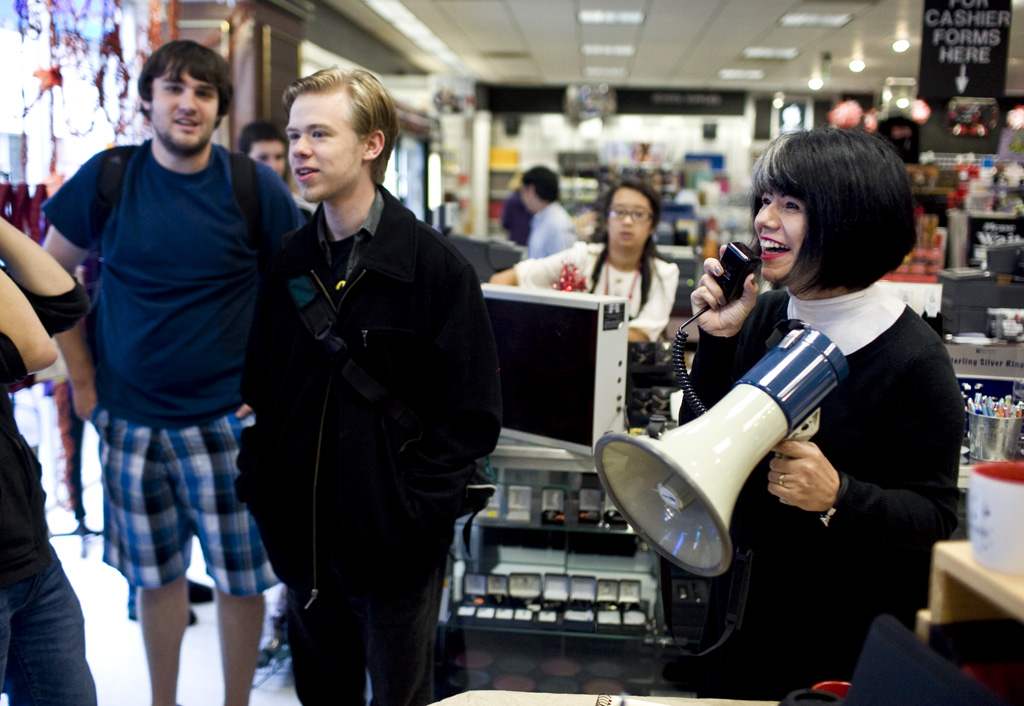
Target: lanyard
(608,279)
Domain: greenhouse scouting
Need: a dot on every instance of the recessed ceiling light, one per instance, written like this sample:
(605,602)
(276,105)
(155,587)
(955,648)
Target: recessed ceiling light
(900,45)
(815,19)
(608,50)
(856,66)
(418,33)
(609,17)
(740,75)
(771,53)
(604,71)
(815,84)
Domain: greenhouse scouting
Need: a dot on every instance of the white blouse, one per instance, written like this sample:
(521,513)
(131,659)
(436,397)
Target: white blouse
(651,319)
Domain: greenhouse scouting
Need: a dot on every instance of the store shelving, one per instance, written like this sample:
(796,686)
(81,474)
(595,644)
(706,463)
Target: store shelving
(961,590)
(487,638)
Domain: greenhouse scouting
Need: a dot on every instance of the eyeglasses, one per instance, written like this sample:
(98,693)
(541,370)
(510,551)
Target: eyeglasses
(635,216)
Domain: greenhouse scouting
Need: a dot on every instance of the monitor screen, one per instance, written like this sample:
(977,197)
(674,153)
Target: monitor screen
(562,364)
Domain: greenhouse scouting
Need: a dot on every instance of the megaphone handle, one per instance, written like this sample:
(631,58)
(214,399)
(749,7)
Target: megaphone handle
(803,433)
(808,429)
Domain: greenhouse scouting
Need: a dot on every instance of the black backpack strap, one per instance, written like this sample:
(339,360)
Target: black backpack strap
(318,315)
(113,165)
(245,184)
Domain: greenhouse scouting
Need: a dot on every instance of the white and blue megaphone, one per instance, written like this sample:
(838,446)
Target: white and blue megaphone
(678,492)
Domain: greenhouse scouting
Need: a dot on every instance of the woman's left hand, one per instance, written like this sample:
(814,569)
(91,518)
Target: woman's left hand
(801,476)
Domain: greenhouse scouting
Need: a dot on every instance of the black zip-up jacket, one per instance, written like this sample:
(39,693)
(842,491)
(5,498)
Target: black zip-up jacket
(24,536)
(333,482)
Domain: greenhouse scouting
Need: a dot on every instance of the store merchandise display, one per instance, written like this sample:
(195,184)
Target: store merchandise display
(552,602)
(563,506)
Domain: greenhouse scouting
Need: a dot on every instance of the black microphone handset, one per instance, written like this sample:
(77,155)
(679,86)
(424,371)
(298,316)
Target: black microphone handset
(738,261)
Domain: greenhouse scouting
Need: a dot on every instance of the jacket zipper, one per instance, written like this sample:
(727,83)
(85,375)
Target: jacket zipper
(316,477)
(320,436)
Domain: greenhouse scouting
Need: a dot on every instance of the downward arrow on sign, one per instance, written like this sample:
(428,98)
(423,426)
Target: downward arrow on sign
(961,80)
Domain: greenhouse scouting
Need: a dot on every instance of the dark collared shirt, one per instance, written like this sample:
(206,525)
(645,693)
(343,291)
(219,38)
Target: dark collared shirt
(357,242)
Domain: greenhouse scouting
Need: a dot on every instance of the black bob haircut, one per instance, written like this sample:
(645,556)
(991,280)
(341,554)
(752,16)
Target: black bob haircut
(186,56)
(259,131)
(859,206)
(544,182)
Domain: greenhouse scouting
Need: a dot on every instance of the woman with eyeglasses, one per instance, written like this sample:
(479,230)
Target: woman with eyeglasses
(623,261)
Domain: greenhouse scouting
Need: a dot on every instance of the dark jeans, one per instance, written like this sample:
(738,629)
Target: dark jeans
(42,642)
(340,637)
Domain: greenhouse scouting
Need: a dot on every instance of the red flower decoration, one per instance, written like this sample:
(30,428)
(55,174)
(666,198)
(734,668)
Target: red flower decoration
(920,111)
(570,280)
(871,120)
(1015,118)
(846,114)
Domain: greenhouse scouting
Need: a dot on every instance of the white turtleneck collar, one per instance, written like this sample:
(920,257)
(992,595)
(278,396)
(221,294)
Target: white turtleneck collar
(851,321)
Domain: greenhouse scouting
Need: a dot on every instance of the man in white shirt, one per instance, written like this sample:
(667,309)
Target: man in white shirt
(552,229)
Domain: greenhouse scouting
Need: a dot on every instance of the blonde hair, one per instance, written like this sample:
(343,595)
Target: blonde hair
(370,107)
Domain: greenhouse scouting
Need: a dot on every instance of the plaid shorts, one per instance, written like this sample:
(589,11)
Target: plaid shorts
(164,486)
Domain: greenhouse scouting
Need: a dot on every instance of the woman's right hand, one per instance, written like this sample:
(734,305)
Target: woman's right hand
(723,318)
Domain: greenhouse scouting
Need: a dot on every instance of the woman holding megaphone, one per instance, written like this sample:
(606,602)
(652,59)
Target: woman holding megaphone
(839,528)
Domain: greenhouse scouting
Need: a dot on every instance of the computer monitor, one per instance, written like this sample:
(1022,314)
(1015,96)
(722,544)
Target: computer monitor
(488,255)
(562,358)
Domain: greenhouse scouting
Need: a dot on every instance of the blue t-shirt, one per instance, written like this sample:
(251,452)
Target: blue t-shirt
(178,284)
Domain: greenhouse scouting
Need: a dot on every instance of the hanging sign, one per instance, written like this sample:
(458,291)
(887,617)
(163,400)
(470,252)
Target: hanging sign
(964,47)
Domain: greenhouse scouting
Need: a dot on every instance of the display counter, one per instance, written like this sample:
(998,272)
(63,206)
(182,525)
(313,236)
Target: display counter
(511,698)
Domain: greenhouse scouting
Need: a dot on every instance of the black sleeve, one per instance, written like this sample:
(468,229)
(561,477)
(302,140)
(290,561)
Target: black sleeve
(12,367)
(59,313)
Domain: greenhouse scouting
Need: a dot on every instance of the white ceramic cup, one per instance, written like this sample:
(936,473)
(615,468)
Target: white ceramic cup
(995,516)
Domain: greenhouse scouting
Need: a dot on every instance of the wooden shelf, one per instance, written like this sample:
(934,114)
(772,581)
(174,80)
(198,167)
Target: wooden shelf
(962,590)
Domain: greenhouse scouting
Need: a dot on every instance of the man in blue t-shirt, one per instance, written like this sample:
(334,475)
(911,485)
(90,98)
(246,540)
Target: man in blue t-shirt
(160,376)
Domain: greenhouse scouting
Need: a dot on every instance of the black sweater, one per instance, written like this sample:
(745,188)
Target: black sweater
(895,427)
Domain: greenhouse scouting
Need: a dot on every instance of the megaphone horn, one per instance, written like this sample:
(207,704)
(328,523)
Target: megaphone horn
(678,492)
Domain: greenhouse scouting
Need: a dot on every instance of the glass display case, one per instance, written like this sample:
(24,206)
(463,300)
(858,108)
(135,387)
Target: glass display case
(551,591)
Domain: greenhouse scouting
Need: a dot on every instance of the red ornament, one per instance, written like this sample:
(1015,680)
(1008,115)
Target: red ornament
(570,280)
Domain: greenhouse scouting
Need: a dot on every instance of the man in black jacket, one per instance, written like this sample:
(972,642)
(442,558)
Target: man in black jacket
(42,632)
(373,373)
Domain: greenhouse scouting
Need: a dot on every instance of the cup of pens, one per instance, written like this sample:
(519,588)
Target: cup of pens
(994,428)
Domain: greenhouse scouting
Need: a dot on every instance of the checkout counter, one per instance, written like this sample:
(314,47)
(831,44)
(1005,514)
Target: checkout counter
(510,698)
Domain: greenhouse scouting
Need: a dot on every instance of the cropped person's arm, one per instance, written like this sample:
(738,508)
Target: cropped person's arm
(505,277)
(28,268)
(20,324)
(81,371)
